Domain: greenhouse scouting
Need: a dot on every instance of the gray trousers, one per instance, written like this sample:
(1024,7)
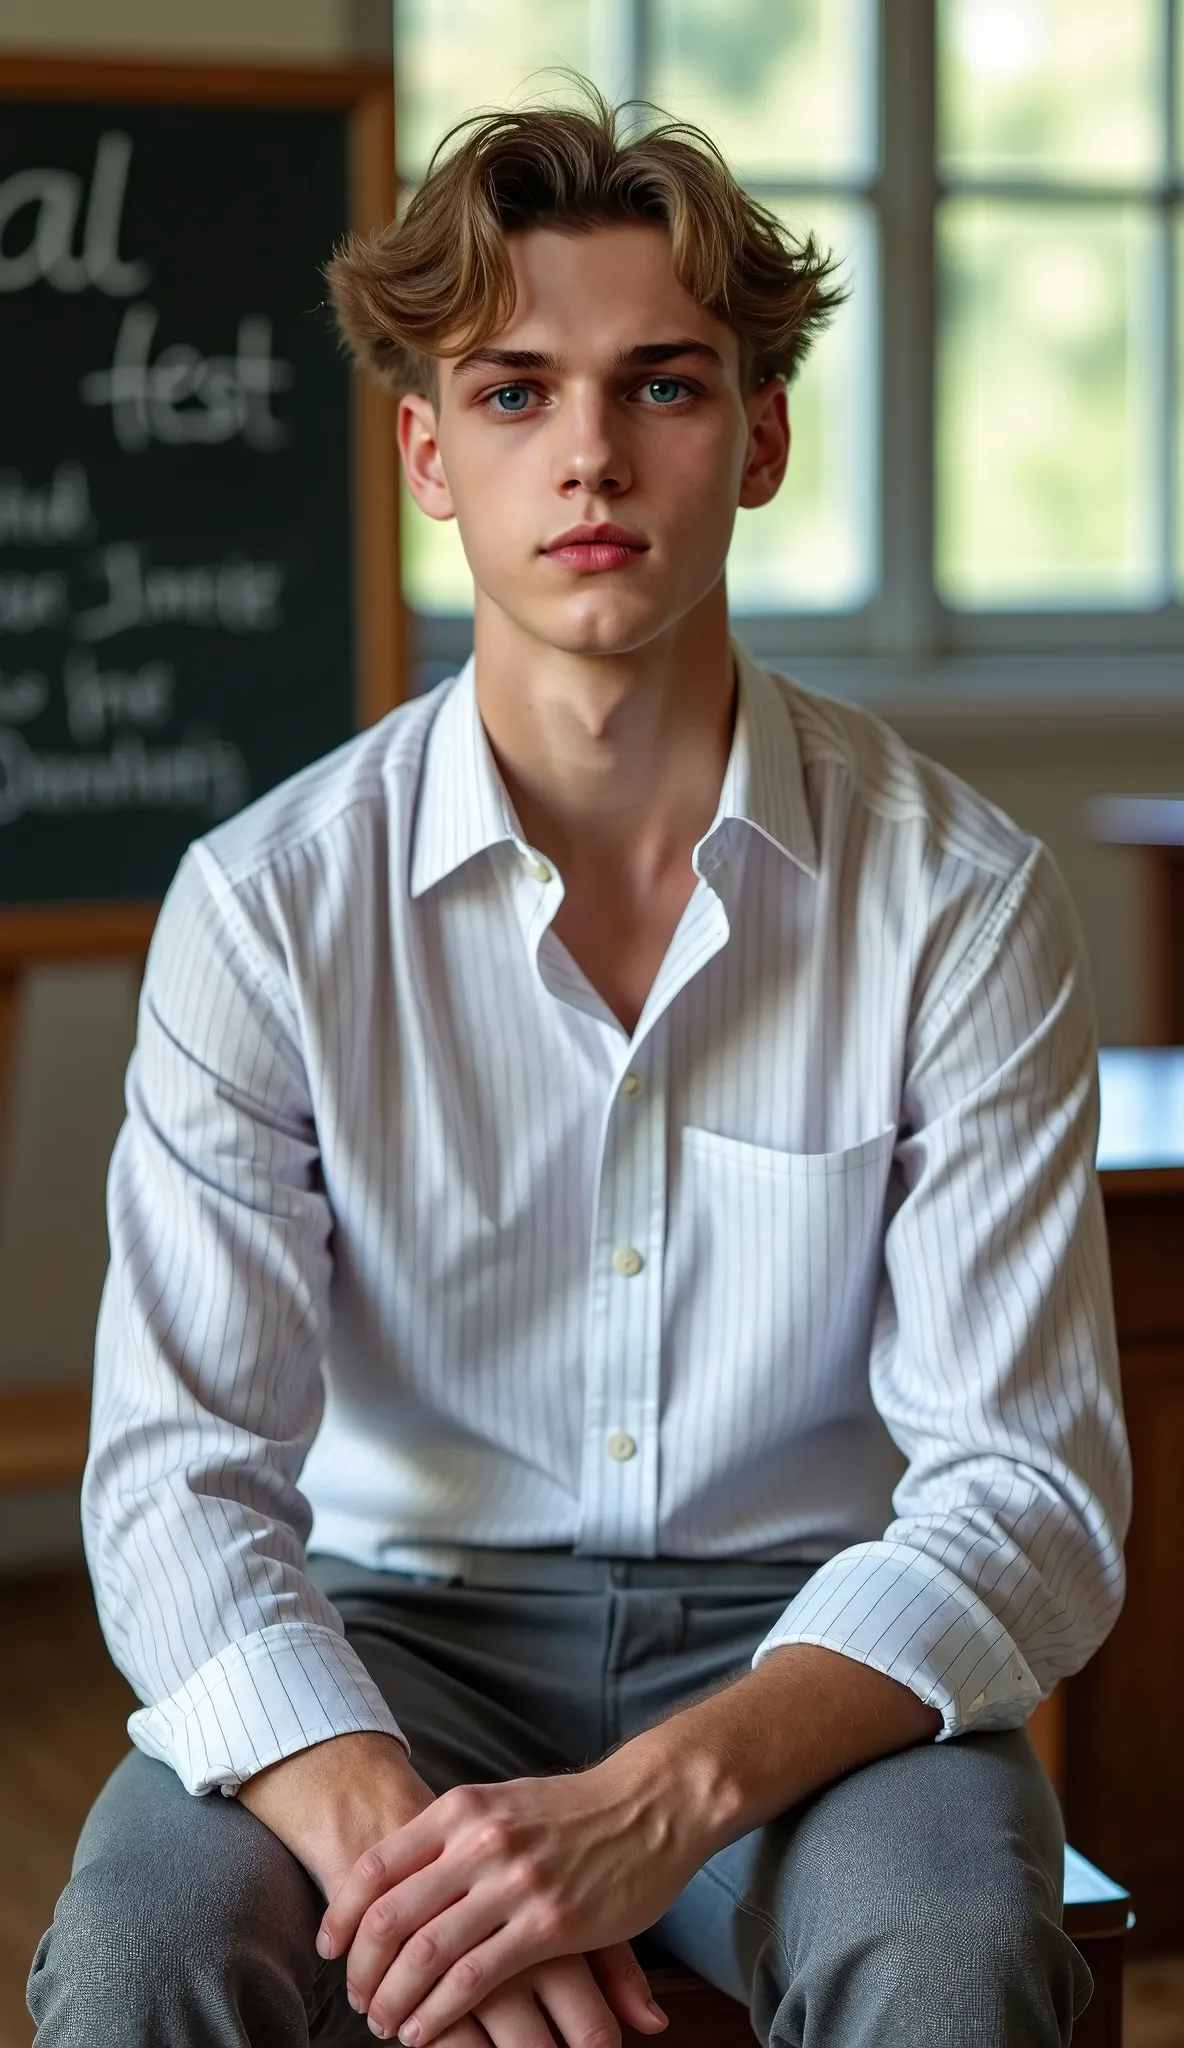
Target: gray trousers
(915,1902)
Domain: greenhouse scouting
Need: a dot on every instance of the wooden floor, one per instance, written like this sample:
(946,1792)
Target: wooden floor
(63,1715)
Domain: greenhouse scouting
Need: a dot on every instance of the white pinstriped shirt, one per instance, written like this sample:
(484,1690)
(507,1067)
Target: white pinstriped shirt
(413,1246)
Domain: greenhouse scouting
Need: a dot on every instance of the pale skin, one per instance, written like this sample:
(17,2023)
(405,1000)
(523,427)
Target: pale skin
(608,699)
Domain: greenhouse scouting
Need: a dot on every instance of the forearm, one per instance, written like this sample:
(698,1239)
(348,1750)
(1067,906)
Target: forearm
(329,1802)
(804,1717)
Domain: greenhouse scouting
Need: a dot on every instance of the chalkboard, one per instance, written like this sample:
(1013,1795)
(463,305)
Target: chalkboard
(193,513)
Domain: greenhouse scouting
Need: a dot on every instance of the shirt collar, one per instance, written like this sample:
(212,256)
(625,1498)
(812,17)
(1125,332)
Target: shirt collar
(763,783)
(464,806)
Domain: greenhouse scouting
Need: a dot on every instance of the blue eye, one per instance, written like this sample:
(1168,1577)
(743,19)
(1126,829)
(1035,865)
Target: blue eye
(667,381)
(501,392)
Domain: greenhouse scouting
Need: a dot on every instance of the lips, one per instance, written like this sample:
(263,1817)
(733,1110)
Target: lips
(594,555)
(606,534)
(597,547)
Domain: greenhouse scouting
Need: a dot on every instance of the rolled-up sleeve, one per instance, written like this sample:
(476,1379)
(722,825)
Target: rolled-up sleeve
(208,1368)
(994,1359)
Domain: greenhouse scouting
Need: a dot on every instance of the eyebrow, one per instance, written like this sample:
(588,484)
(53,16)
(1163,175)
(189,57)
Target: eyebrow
(644,355)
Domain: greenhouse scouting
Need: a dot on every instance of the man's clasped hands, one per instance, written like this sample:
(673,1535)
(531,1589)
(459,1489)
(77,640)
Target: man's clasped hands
(509,1902)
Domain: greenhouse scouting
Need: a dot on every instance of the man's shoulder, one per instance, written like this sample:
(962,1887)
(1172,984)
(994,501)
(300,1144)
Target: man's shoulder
(850,754)
(367,783)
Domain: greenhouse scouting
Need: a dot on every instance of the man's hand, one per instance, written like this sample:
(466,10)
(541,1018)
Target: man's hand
(331,1802)
(496,1880)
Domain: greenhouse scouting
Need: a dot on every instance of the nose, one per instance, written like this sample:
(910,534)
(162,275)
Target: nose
(590,452)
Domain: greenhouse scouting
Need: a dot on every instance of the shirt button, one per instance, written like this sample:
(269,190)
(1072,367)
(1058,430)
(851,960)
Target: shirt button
(978,1701)
(628,1260)
(631,1085)
(539,869)
(621,1445)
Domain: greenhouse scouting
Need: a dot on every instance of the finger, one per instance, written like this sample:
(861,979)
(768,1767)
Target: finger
(380,1867)
(567,1989)
(511,2018)
(464,1985)
(410,1935)
(441,1951)
(626,1987)
(470,2033)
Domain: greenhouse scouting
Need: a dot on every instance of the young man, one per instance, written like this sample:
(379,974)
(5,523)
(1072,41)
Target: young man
(606,1414)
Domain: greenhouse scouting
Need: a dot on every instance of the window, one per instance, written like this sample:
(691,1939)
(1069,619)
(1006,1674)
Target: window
(1058,241)
(989,439)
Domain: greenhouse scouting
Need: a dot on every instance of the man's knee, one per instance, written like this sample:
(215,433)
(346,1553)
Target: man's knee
(985,1964)
(920,1904)
(173,1901)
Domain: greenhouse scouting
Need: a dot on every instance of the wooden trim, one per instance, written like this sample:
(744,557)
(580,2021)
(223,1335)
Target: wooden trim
(75,931)
(44,1435)
(381,660)
(1141,1180)
(145,80)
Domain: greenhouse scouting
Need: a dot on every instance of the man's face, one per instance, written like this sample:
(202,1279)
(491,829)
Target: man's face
(665,446)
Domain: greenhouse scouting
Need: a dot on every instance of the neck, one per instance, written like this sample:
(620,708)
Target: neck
(612,762)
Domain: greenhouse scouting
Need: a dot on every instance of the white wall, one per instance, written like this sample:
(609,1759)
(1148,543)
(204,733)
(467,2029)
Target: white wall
(285,31)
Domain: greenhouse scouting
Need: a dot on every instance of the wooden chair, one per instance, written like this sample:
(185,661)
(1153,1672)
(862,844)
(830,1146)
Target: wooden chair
(1097,1916)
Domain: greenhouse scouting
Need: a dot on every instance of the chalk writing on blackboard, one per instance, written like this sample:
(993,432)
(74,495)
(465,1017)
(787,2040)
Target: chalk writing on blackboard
(185,396)
(55,198)
(175,626)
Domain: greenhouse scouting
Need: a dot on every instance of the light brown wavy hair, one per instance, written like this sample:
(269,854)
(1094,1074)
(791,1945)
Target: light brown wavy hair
(438,281)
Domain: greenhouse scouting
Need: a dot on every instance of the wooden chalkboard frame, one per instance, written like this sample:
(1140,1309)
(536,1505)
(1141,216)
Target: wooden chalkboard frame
(366,93)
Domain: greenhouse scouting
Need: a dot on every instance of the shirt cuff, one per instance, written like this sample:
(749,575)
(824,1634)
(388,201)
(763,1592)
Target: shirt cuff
(263,1697)
(903,1613)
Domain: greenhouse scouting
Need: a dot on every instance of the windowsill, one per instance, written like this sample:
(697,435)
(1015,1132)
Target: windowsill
(1108,699)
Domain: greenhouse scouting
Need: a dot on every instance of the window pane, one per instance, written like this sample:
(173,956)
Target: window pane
(813,548)
(784,90)
(1050,88)
(1179,253)
(453,56)
(1046,437)
(1179,7)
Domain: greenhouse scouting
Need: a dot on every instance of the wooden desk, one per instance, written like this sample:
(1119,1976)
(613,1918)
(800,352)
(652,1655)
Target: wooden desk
(1114,1736)
(1155,825)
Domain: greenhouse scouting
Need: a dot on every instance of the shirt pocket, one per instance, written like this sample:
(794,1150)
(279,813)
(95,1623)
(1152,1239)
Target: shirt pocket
(775,1270)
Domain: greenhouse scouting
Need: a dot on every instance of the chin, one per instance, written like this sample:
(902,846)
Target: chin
(604,622)
(623,638)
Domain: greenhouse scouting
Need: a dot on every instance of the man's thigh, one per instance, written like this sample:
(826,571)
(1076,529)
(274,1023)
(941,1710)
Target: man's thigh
(184,1919)
(916,1901)
(213,1920)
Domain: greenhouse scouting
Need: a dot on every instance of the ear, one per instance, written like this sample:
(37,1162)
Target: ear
(768,443)
(423,466)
